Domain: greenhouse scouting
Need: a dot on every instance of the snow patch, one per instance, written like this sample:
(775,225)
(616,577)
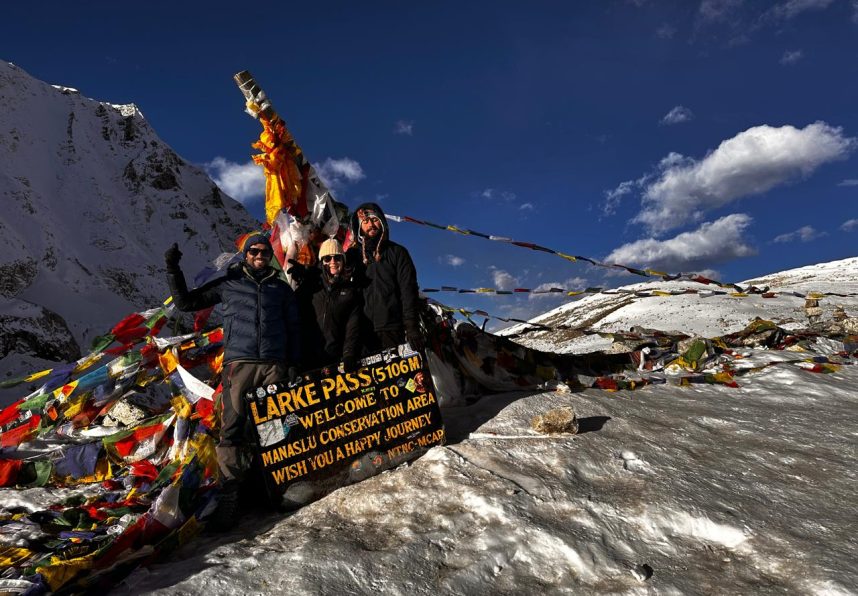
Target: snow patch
(680,523)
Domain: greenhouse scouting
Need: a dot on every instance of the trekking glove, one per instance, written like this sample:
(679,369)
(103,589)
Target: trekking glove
(297,271)
(349,363)
(172,257)
(414,336)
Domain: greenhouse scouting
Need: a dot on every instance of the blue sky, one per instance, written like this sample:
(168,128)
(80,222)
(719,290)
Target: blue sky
(717,136)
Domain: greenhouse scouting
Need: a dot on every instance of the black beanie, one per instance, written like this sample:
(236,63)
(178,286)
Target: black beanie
(256,239)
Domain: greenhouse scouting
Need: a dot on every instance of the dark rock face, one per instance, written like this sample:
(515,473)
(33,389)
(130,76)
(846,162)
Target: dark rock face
(121,282)
(159,167)
(17,276)
(43,334)
(130,130)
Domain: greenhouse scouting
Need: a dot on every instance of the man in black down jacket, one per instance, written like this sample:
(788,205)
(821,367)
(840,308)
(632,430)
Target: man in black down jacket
(385,272)
(329,305)
(260,328)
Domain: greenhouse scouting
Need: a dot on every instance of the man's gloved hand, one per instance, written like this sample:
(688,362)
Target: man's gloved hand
(297,271)
(172,257)
(292,374)
(415,336)
(349,363)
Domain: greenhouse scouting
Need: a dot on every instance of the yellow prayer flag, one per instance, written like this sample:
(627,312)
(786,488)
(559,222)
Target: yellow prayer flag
(60,572)
(62,393)
(39,375)
(181,406)
(11,555)
(168,361)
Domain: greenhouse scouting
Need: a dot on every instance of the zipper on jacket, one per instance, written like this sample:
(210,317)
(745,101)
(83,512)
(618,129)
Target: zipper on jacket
(326,306)
(258,320)
(259,308)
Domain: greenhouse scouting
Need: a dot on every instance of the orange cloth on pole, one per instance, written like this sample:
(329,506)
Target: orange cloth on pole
(283,180)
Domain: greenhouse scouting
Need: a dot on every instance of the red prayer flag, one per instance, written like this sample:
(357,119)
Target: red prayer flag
(201,317)
(130,322)
(124,447)
(15,436)
(144,469)
(130,335)
(10,413)
(9,469)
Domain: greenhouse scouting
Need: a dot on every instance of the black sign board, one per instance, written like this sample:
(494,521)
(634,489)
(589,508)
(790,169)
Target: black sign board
(330,429)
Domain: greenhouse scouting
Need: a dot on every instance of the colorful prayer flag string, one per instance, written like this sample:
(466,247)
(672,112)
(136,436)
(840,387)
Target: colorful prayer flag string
(750,291)
(693,277)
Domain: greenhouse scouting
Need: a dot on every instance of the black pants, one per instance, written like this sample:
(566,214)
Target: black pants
(376,341)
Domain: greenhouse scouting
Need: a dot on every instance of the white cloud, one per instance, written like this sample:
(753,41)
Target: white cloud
(243,182)
(713,242)
(336,173)
(526,207)
(791,57)
(453,260)
(751,163)
(804,234)
(849,225)
(736,20)
(493,194)
(790,8)
(717,10)
(677,115)
(503,280)
(615,196)
(665,31)
(404,127)
(849,181)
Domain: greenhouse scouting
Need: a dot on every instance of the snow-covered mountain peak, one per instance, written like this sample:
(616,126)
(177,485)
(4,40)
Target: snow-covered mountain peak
(66,90)
(127,109)
(91,199)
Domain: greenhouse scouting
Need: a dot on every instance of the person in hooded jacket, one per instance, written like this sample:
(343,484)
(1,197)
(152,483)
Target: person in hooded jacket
(330,310)
(261,346)
(386,275)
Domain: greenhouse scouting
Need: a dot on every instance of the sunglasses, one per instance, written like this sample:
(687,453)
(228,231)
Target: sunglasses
(329,258)
(258,251)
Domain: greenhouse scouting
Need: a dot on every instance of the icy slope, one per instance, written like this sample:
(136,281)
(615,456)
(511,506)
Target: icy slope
(666,490)
(694,314)
(91,198)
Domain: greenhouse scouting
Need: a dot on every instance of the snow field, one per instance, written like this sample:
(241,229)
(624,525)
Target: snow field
(716,490)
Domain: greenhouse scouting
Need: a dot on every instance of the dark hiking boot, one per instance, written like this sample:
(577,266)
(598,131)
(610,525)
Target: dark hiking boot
(226,513)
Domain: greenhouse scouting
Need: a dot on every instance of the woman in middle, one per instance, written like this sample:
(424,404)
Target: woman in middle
(330,310)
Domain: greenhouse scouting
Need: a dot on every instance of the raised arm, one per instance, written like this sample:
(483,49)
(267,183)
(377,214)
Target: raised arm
(184,299)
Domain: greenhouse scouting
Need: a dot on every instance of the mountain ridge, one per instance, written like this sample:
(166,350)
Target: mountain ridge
(92,197)
(688,313)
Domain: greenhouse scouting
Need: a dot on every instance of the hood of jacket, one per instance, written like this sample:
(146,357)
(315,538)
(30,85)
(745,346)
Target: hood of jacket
(355,222)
